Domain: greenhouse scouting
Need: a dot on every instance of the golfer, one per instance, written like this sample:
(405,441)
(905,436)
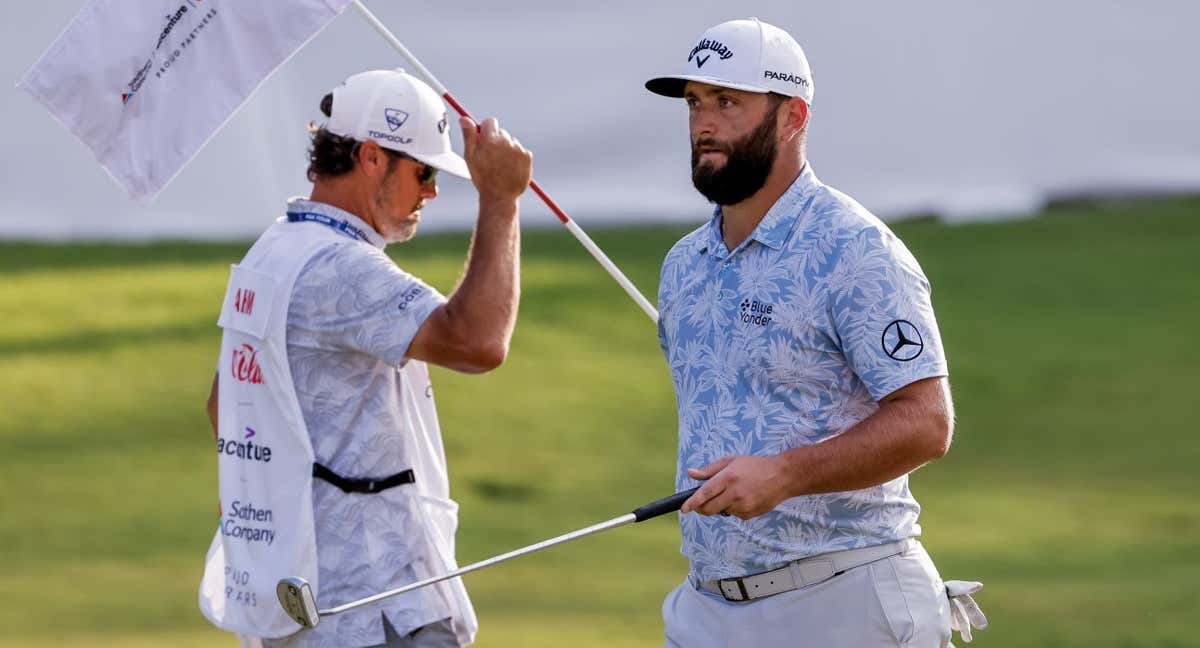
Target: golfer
(809,376)
(330,455)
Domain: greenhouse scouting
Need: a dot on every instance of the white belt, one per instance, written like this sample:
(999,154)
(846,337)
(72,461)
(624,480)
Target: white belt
(800,573)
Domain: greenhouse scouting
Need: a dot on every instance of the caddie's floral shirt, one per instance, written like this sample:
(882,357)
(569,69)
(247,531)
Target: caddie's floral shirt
(352,316)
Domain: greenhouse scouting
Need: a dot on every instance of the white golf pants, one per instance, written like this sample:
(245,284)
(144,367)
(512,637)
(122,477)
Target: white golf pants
(898,602)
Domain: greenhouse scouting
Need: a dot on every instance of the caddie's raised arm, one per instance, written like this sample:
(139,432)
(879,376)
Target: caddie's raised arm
(472,330)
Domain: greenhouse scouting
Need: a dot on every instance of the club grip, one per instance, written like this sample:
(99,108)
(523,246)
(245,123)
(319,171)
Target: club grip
(668,504)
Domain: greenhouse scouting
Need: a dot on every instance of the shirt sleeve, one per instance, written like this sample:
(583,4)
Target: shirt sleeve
(660,324)
(353,297)
(883,314)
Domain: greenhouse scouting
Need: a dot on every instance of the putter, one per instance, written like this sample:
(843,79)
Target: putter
(298,601)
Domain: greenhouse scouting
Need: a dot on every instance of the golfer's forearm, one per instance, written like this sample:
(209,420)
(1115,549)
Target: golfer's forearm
(485,303)
(896,440)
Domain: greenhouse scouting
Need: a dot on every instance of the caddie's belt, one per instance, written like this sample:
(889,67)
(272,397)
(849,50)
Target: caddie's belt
(377,485)
(800,573)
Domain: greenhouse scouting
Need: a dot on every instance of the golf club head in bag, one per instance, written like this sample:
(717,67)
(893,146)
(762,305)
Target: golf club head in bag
(297,600)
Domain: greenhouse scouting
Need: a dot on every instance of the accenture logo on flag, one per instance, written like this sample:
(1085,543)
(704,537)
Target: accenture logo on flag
(140,77)
(172,21)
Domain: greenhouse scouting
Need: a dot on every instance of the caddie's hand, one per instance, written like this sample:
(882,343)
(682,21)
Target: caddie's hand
(739,485)
(500,167)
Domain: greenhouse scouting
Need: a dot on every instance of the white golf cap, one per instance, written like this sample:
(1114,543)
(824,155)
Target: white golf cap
(746,54)
(399,112)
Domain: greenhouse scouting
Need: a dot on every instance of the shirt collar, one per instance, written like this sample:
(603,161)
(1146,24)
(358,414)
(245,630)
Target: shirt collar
(300,204)
(776,224)
(712,240)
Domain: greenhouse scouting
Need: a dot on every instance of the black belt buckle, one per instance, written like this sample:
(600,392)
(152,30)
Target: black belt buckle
(741,588)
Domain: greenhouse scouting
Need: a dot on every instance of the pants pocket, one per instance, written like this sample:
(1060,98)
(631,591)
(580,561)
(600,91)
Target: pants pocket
(892,602)
(926,597)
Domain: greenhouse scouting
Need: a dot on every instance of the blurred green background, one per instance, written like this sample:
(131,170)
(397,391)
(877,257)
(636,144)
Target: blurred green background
(1074,344)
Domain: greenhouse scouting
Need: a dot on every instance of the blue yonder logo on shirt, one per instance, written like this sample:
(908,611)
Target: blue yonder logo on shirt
(756,312)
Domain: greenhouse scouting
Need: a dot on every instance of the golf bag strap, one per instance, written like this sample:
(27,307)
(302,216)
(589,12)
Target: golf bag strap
(363,485)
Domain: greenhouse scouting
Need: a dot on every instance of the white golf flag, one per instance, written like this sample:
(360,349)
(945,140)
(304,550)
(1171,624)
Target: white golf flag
(145,83)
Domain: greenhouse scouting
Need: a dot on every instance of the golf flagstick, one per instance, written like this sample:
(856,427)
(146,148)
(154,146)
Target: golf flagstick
(570,224)
(296,597)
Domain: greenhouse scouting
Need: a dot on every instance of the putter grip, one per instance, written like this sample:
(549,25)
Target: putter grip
(668,504)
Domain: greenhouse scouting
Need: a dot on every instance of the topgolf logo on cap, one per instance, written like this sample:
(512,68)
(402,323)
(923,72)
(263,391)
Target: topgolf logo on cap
(395,118)
(716,46)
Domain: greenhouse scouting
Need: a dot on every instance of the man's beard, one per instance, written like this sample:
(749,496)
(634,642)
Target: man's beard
(748,162)
(393,232)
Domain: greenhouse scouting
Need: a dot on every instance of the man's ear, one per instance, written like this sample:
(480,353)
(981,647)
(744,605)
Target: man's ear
(372,159)
(796,116)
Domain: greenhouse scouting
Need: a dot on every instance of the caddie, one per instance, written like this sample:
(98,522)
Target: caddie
(330,456)
(809,375)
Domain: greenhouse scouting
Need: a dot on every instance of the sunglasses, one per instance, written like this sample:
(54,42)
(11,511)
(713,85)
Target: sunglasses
(427,175)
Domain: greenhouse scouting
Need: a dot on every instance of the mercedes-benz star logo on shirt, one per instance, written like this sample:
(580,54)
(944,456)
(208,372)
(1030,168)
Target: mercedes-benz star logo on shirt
(902,341)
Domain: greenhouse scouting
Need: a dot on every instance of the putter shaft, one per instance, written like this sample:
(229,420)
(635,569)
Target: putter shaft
(297,599)
(566,537)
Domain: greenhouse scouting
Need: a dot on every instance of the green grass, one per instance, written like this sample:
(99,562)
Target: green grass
(1069,491)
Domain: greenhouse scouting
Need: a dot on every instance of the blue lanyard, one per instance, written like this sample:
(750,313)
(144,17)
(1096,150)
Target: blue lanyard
(328,221)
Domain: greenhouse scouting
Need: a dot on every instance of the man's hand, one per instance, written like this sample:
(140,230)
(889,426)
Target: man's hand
(500,167)
(738,485)
(471,332)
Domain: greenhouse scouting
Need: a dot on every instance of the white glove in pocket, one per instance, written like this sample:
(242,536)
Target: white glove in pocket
(964,611)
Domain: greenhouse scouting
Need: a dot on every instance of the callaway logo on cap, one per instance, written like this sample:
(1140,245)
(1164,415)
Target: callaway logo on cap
(398,111)
(746,54)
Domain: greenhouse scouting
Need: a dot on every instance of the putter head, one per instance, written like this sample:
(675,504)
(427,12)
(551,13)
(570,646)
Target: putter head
(297,600)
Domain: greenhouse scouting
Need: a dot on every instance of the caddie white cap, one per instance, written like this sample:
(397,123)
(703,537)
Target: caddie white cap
(400,112)
(746,54)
